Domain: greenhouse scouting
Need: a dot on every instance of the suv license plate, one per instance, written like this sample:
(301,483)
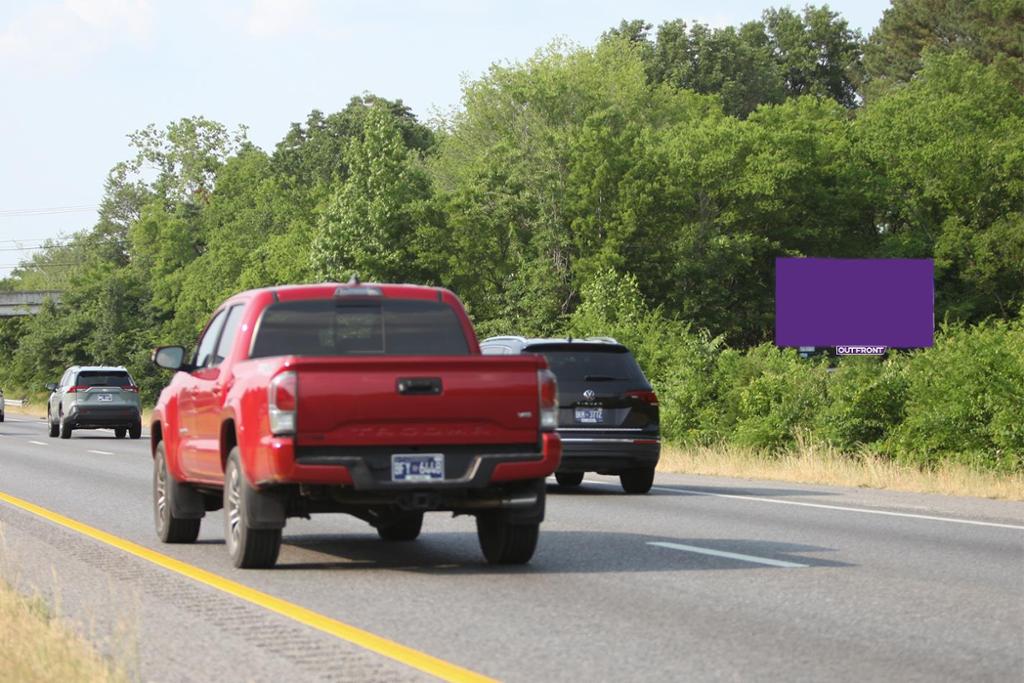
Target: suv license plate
(104,397)
(590,415)
(417,467)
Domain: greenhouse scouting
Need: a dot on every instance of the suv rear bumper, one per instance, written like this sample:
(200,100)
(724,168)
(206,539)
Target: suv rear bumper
(608,454)
(82,417)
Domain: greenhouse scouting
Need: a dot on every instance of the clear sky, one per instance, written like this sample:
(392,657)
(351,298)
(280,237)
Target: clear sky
(77,75)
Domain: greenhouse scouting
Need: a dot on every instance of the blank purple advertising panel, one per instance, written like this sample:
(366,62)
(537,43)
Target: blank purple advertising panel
(869,302)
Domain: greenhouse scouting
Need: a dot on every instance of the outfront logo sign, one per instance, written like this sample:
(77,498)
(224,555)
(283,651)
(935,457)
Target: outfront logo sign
(860,350)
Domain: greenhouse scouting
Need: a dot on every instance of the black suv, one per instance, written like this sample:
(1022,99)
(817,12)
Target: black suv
(607,412)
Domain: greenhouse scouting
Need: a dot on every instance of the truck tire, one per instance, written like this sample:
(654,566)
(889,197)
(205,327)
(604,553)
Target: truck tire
(135,431)
(119,432)
(504,542)
(65,428)
(403,526)
(249,548)
(637,480)
(169,529)
(54,427)
(569,479)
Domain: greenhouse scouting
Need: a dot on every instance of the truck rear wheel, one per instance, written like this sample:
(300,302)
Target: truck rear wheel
(169,529)
(249,548)
(504,542)
(404,526)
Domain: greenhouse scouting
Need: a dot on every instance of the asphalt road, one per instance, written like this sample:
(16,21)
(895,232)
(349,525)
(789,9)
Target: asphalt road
(703,579)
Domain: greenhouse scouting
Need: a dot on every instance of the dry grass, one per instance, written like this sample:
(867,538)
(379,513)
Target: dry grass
(822,465)
(38,409)
(36,646)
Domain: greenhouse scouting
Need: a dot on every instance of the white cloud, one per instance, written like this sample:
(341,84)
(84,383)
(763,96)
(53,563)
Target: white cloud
(272,18)
(62,34)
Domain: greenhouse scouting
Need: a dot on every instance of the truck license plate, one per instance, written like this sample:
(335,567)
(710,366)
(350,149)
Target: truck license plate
(417,467)
(590,415)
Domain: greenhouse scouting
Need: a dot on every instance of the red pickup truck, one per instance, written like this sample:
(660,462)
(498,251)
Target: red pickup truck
(373,400)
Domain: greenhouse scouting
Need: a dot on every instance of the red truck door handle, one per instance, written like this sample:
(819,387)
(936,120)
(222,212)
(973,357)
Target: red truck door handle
(418,385)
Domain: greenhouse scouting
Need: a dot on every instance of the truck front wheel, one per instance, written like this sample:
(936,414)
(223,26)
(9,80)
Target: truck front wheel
(169,529)
(249,548)
(505,542)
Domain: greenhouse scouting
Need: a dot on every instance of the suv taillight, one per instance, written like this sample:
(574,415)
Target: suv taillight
(78,387)
(282,399)
(645,396)
(132,388)
(548,391)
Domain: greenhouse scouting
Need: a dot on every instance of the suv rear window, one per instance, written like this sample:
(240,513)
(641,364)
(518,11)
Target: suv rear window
(340,327)
(592,364)
(104,378)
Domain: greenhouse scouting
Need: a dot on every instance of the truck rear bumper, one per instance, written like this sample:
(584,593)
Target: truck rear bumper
(369,469)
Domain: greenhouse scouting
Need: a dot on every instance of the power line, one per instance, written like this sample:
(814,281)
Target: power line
(48,210)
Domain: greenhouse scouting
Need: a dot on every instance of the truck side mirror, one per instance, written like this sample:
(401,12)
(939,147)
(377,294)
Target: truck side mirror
(170,357)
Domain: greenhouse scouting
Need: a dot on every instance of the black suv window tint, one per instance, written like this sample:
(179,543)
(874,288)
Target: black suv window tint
(104,378)
(338,327)
(231,325)
(593,365)
(204,351)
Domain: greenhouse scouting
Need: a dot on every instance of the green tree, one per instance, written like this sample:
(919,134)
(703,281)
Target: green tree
(371,224)
(987,30)
(947,152)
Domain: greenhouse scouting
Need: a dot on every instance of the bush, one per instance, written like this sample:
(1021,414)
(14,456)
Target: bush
(965,397)
(766,396)
(865,401)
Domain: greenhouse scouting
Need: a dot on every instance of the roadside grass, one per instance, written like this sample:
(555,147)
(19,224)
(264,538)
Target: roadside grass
(811,464)
(807,464)
(38,647)
(38,409)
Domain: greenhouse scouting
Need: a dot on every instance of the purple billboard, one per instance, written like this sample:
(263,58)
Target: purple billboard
(854,302)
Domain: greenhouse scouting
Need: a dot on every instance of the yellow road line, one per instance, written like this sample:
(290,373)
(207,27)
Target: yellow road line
(382,646)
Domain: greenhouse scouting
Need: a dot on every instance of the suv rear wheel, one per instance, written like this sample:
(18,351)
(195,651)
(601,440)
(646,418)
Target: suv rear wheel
(65,427)
(637,480)
(135,431)
(119,432)
(568,479)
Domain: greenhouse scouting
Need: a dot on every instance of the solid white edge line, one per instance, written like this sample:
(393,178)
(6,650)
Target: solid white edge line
(732,556)
(38,443)
(823,506)
(101,452)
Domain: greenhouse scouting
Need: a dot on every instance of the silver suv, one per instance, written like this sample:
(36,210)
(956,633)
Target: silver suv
(2,406)
(95,397)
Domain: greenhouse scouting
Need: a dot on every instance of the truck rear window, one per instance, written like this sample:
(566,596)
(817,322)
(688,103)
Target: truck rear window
(343,327)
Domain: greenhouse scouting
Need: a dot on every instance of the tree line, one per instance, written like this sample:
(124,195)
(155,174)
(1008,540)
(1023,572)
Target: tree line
(662,167)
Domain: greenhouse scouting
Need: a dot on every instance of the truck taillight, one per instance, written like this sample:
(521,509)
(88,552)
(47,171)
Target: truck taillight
(282,399)
(645,396)
(548,391)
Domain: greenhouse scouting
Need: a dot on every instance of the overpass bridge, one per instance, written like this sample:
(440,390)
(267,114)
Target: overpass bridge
(24,303)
